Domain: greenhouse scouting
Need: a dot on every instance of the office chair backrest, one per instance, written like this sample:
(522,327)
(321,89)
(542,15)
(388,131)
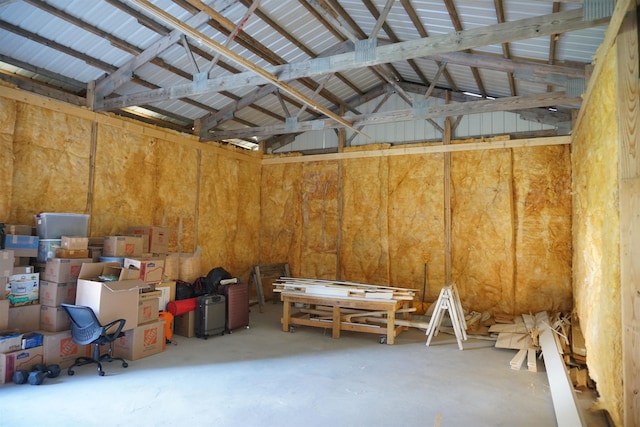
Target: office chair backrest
(85,326)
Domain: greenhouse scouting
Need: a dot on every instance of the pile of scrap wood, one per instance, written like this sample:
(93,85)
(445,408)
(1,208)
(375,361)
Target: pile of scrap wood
(522,333)
(341,289)
(550,336)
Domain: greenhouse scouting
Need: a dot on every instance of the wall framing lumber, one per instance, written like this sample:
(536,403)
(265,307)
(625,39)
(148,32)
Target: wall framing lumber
(610,35)
(430,149)
(628,102)
(630,278)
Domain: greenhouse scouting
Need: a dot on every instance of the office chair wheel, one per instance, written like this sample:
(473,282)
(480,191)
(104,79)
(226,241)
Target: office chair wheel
(101,373)
(70,372)
(125,364)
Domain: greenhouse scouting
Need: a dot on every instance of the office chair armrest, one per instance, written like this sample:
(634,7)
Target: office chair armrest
(120,324)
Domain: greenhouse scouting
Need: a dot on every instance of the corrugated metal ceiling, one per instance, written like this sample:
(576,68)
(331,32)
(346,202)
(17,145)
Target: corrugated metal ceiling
(68,44)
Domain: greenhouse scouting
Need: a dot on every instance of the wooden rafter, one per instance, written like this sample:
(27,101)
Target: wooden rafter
(267,76)
(553,41)
(446,43)
(435,111)
(506,51)
(210,120)
(415,19)
(225,26)
(457,25)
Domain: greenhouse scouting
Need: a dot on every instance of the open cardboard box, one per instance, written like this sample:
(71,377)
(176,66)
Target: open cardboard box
(110,300)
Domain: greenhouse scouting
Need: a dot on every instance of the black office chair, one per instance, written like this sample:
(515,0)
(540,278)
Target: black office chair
(86,329)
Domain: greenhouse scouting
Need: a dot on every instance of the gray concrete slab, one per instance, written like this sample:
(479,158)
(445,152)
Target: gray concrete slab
(262,376)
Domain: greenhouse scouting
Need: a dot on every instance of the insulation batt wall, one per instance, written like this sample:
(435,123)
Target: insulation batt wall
(596,238)
(206,194)
(7,127)
(511,223)
(51,169)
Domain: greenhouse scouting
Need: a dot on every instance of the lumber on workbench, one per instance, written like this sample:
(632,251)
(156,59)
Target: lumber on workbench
(342,289)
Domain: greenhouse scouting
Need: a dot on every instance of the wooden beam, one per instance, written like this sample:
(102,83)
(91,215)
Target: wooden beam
(381,19)
(238,59)
(124,74)
(446,141)
(435,111)
(610,35)
(467,39)
(425,149)
(562,393)
(628,103)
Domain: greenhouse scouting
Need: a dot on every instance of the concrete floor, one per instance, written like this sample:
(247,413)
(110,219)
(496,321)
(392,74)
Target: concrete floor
(265,377)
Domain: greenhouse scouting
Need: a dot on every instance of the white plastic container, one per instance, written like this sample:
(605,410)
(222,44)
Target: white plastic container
(55,225)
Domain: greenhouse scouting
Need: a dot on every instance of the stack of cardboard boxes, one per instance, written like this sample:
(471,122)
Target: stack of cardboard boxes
(33,326)
(19,303)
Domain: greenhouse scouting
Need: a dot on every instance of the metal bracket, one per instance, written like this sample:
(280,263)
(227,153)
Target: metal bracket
(365,50)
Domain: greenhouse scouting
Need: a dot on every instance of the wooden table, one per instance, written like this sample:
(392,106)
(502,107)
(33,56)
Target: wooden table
(331,312)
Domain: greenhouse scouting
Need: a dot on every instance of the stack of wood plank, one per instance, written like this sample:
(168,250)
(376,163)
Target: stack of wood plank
(533,334)
(342,289)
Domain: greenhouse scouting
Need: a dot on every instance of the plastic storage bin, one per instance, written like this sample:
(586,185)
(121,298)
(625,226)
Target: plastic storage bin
(47,249)
(56,225)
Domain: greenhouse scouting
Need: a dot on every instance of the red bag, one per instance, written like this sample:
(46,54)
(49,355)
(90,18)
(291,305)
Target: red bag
(181,306)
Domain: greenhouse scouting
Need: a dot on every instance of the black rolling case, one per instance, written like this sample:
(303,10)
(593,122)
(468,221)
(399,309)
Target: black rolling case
(211,316)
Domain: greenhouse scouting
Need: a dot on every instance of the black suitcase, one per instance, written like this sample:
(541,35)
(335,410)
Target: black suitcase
(211,315)
(237,301)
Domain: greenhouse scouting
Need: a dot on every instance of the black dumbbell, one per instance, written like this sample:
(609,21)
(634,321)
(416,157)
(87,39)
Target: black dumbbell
(20,376)
(41,371)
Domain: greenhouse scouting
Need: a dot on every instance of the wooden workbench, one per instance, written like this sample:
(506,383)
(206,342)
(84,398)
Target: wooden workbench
(331,312)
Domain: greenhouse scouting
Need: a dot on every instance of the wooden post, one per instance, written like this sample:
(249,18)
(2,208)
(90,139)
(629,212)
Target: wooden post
(92,171)
(629,173)
(447,198)
(342,138)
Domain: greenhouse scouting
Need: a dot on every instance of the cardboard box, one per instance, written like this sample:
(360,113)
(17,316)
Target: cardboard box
(4,314)
(20,359)
(168,290)
(74,243)
(185,324)
(148,307)
(157,238)
(22,289)
(122,246)
(23,269)
(54,319)
(109,300)
(60,348)
(25,318)
(72,253)
(64,270)
(22,246)
(142,341)
(151,269)
(21,261)
(31,340)
(6,262)
(10,341)
(25,230)
(53,294)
